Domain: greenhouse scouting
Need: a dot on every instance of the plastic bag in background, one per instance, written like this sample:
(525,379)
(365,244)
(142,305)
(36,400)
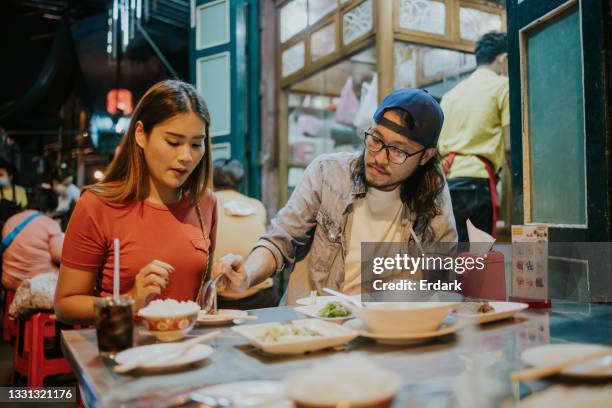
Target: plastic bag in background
(348,104)
(367,104)
(309,125)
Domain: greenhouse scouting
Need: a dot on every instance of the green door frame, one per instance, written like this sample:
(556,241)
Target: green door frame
(520,14)
(243,48)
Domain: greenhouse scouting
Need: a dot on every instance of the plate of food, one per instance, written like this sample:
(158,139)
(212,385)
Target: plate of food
(482,311)
(296,336)
(222,317)
(331,311)
(321,300)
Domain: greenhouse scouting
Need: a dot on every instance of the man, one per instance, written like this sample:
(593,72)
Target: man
(67,193)
(392,191)
(13,197)
(67,196)
(475,135)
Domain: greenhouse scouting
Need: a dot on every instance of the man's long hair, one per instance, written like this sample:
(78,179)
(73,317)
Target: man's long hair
(419,191)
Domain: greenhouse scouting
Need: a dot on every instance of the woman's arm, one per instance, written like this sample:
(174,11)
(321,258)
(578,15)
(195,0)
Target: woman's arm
(74,296)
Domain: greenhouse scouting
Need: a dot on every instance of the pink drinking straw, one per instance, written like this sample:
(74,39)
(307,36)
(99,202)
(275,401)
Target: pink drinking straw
(116,272)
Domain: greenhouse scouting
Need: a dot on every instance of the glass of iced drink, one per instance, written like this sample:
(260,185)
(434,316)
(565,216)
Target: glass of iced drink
(114,325)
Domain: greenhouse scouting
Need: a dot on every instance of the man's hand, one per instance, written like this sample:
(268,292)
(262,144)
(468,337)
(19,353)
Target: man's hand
(234,278)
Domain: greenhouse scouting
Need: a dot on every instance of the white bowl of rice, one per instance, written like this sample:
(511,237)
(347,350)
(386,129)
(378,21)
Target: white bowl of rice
(348,381)
(169,319)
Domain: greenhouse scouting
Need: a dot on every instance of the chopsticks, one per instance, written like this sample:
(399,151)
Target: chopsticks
(541,372)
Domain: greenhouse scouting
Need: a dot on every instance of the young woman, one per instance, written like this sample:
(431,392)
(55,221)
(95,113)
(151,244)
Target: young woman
(154,199)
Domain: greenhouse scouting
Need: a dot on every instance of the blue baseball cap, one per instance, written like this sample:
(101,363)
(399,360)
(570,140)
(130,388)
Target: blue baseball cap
(424,109)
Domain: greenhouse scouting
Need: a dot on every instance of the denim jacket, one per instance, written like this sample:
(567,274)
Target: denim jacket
(317,219)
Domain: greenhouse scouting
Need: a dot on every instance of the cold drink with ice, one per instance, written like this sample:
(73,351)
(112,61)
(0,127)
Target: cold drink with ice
(114,325)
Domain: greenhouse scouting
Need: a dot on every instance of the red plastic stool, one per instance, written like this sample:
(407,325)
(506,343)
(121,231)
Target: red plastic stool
(8,325)
(31,362)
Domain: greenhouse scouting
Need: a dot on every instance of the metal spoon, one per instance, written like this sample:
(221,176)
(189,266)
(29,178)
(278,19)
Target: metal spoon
(209,296)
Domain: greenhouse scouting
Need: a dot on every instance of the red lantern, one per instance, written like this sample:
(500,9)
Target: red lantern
(119,99)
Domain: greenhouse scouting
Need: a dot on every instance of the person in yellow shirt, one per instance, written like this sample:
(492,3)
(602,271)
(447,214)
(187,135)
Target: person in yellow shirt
(475,135)
(13,198)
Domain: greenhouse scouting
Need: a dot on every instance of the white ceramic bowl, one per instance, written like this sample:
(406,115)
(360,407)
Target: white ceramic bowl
(403,317)
(168,326)
(343,381)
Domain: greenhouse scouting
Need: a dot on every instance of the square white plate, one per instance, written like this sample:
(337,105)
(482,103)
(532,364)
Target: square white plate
(223,317)
(332,335)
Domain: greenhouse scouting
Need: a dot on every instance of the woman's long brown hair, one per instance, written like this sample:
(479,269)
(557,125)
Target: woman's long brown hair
(126,178)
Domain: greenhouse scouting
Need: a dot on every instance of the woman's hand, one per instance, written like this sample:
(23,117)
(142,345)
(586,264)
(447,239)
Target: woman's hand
(149,282)
(235,278)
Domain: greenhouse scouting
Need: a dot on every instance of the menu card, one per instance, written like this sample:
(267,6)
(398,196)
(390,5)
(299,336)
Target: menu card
(530,262)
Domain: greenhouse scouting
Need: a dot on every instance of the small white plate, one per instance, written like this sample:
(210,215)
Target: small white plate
(323,300)
(195,354)
(332,335)
(543,356)
(503,310)
(269,394)
(449,326)
(223,316)
(313,311)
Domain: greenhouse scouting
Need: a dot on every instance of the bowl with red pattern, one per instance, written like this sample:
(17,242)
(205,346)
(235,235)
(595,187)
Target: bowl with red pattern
(169,320)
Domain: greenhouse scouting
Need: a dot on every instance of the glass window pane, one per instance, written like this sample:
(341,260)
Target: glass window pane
(323,42)
(474,23)
(554,93)
(319,8)
(423,15)
(293,19)
(405,65)
(357,22)
(221,151)
(212,24)
(213,82)
(438,61)
(438,70)
(293,59)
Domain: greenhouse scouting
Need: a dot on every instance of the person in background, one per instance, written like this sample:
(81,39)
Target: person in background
(154,199)
(475,136)
(244,217)
(67,193)
(13,198)
(36,247)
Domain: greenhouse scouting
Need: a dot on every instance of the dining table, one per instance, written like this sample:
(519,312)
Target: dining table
(468,368)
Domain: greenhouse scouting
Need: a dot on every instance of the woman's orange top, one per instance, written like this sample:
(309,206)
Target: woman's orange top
(147,232)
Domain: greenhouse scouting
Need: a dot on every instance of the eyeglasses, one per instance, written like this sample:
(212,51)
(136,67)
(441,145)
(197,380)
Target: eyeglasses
(394,155)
